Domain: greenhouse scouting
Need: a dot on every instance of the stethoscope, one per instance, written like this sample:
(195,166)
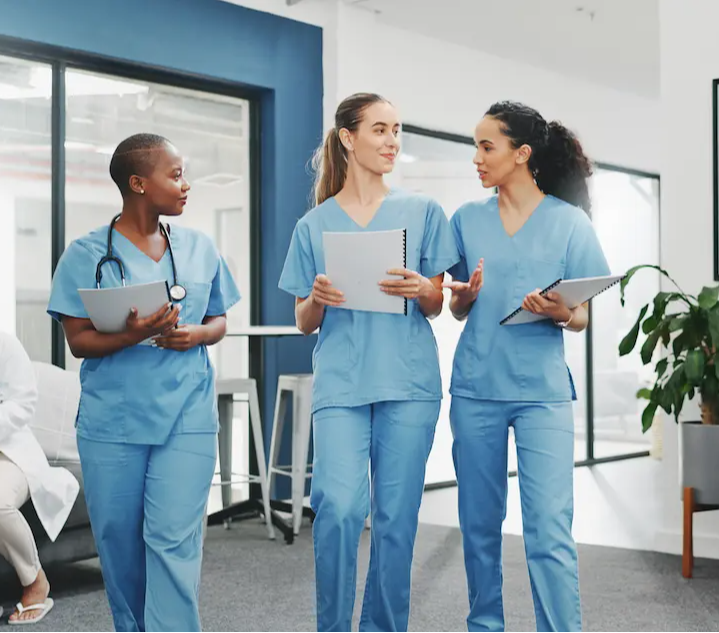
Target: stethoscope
(177,292)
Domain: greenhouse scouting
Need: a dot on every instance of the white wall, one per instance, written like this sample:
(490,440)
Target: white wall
(689,62)
(443,86)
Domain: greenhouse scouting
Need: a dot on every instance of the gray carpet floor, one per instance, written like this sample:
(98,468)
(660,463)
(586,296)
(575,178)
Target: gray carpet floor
(252,584)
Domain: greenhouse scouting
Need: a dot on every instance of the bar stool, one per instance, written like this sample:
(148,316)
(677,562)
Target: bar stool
(299,388)
(226,389)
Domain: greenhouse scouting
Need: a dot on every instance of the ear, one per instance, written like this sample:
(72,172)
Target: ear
(523,154)
(346,139)
(136,185)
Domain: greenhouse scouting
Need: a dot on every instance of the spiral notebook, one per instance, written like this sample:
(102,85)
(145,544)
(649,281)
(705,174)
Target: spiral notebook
(355,263)
(575,292)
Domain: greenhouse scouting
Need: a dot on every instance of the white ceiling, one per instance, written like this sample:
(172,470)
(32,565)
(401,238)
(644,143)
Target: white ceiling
(610,42)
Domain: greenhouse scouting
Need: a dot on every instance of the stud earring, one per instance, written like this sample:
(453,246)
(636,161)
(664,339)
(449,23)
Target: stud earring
(142,192)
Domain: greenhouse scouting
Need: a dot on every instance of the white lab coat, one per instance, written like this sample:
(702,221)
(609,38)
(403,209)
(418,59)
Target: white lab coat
(53,490)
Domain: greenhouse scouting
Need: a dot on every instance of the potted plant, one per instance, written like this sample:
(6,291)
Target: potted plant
(686,327)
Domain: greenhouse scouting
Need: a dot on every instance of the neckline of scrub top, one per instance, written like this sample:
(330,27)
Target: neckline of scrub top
(527,221)
(374,217)
(127,240)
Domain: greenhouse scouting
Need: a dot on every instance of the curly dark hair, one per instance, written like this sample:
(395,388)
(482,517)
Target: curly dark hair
(135,157)
(558,163)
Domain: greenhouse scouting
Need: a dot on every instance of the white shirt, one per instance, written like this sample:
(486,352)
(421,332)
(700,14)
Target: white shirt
(53,490)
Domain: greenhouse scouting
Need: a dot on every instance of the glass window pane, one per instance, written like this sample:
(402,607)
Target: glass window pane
(25,207)
(626,217)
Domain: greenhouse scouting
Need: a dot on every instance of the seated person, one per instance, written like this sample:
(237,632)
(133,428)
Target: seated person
(26,474)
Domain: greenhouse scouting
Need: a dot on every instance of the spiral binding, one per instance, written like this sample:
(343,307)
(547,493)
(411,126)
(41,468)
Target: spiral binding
(404,260)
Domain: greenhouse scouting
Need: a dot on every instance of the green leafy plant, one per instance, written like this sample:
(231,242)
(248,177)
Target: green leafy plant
(687,327)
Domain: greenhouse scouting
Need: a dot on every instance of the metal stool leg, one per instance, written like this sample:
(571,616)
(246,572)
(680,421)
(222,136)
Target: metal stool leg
(261,464)
(302,417)
(224,448)
(278,425)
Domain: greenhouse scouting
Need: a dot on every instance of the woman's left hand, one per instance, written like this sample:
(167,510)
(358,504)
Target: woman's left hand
(551,306)
(181,339)
(413,286)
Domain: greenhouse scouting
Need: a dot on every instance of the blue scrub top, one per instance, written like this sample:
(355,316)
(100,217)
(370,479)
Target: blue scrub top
(518,363)
(365,357)
(142,394)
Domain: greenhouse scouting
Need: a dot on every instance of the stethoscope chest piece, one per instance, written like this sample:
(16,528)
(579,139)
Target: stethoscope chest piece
(178,292)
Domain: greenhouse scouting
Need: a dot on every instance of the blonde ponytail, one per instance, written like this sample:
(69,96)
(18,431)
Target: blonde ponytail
(330,167)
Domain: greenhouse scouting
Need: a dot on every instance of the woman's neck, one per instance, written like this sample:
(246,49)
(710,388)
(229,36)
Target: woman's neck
(520,196)
(138,221)
(363,187)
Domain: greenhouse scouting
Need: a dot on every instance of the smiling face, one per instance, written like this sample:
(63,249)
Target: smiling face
(375,144)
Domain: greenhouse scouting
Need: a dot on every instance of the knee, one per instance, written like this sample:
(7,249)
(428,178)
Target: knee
(340,508)
(547,531)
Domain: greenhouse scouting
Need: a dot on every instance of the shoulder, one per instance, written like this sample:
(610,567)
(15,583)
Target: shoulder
(412,200)
(566,212)
(314,217)
(91,245)
(475,209)
(192,239)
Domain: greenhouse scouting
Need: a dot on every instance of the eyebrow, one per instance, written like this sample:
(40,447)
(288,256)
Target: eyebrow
(383,123)
(485,140)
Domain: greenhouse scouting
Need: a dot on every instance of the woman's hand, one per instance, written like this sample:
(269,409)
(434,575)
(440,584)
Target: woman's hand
(551,306)
(467,292)
(164,319)
(325,294)
(413,286)
(181,338)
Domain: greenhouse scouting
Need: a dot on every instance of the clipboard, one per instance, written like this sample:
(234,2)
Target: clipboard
(108,308)
(574,292)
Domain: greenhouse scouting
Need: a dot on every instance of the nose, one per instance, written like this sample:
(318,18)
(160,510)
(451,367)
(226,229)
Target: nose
(186,186)
(477,160)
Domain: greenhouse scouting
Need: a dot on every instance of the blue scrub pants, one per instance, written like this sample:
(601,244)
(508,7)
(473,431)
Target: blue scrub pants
(396,438)
(544,435)
(147,506)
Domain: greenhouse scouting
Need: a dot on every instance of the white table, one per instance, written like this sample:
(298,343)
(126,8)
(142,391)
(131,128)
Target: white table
(268,330)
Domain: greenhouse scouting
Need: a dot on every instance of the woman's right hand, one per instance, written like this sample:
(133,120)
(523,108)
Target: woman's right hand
(160,322)
(325,294)
(467,292)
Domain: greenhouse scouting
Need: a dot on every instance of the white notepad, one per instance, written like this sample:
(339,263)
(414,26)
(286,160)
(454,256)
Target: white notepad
(357,262)
(108,308)
(574,292)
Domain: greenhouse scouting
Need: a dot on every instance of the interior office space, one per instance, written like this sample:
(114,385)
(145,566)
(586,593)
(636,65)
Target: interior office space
(246,90)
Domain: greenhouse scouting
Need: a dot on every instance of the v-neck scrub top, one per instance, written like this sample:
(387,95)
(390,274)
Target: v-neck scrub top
(519,363)
(366,357)
(142,394)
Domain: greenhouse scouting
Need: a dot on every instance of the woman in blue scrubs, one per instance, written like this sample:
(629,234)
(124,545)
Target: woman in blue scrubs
(377,388)
(535,231)
(147,420)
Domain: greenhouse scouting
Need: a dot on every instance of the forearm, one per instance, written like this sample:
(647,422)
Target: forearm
(579,320)
(309,315)
(460,307)
(93,344)
(430,304)
(213,329)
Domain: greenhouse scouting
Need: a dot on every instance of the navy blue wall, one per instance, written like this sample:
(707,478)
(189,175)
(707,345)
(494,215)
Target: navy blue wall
(279,59)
